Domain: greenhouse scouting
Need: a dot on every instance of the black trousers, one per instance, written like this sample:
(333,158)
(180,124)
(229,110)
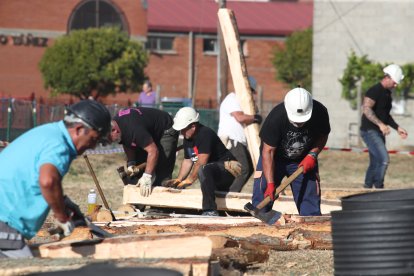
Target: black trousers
(167,149)
(242,154)
(213,177)
(167,156)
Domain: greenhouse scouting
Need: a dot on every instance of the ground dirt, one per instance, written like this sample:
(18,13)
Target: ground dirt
(337,170)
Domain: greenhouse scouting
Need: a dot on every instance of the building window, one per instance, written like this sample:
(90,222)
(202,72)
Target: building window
(96,14)
(210,46)
(159,43)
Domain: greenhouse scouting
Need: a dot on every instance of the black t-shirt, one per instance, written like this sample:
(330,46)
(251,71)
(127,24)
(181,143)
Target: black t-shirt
(381,108)
(139,126)
(293,143)
(206,141)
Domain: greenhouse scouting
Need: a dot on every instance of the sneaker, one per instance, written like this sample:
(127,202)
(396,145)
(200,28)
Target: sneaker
(210,213)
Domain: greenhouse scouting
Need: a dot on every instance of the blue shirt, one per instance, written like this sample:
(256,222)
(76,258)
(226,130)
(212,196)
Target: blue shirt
(22,205)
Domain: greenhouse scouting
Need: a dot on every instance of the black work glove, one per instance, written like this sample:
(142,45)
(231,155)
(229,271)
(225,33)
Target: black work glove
(257,119)
(73,210)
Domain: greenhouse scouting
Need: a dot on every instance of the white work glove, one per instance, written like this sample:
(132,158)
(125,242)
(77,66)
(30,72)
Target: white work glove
(145,183)
(67,227)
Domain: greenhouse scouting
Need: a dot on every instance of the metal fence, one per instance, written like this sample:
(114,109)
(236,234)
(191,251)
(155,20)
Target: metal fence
(18,116)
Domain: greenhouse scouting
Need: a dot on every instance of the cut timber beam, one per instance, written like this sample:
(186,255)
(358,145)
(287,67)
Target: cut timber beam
(167,246)
(239,75)
(226,201)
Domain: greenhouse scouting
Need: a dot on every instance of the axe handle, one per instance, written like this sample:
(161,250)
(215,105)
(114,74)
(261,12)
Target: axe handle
(97,185)
(281,187)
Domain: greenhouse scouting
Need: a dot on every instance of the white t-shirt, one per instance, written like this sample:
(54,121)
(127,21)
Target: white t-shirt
(228,125)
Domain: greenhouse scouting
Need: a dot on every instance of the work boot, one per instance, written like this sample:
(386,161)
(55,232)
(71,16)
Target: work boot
(210,213)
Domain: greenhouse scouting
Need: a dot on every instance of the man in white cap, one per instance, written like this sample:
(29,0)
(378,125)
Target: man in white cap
(231,133)
(205,158)
(376,122)
(293,135)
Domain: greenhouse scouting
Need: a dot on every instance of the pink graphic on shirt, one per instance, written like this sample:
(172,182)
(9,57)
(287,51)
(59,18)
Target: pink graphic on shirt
(124,112)
(128,111)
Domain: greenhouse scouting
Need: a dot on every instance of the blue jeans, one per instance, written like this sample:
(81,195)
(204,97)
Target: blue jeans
(305,188)
(378,158)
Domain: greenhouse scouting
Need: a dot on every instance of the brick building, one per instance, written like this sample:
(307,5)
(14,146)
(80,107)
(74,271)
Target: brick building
(179,34)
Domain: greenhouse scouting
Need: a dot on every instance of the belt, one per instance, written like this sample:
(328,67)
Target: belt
(8,233)
(170,131)
(10,239)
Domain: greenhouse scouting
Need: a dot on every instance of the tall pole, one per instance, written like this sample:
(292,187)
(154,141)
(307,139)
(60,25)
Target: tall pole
(221,61)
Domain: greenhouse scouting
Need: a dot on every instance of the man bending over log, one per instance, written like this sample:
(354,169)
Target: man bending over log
(205,158)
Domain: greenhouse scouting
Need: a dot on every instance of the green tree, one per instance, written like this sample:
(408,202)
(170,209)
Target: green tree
(368,73)
(293,62)
(103,61)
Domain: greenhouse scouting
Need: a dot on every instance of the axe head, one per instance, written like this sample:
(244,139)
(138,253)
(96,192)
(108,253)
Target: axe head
(269,218)
(122,174)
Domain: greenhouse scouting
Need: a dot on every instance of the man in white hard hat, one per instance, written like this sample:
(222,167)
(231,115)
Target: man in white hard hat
(293,135)
(205,158)
(231,132)
(376,122)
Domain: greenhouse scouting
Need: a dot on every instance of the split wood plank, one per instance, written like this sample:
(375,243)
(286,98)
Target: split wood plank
(226,201)
(239,75)
(224,221)
(161,246)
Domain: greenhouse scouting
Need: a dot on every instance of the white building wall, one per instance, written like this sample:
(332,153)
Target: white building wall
(382,30)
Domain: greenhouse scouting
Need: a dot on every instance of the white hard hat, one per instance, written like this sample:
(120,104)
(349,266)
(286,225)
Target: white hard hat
(395,72)
(184,117)
(298,104)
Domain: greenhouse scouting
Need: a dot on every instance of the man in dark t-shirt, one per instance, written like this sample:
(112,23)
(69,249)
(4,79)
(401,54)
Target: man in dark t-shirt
(205,158)
(375,123)
(147,136)
(293,135)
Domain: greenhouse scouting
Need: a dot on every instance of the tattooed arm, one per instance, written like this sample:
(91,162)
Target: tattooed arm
(370,114)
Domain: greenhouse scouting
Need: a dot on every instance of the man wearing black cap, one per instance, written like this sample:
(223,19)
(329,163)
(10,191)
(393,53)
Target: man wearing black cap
(31,172)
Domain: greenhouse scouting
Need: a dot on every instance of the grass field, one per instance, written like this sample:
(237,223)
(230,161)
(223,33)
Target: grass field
(337,170)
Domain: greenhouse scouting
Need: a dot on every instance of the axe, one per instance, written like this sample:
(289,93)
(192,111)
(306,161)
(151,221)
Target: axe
(126,175)
(272,216)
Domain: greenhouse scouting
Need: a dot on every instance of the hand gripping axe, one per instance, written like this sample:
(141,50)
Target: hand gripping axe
(272,216)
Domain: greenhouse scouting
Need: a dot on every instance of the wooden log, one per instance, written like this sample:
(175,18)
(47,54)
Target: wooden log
(167,246)
(239,75)
(226,201)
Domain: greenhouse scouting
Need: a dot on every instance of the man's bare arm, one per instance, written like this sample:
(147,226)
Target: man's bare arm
(202,160)
(51,188)
(152,157)
(367,106)
(185,168)
(268,154)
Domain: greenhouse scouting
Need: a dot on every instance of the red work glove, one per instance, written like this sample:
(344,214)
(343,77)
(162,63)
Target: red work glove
(270,191)
(308,163)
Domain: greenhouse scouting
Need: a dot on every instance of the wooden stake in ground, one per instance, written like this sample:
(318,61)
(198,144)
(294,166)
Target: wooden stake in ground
(239,75)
